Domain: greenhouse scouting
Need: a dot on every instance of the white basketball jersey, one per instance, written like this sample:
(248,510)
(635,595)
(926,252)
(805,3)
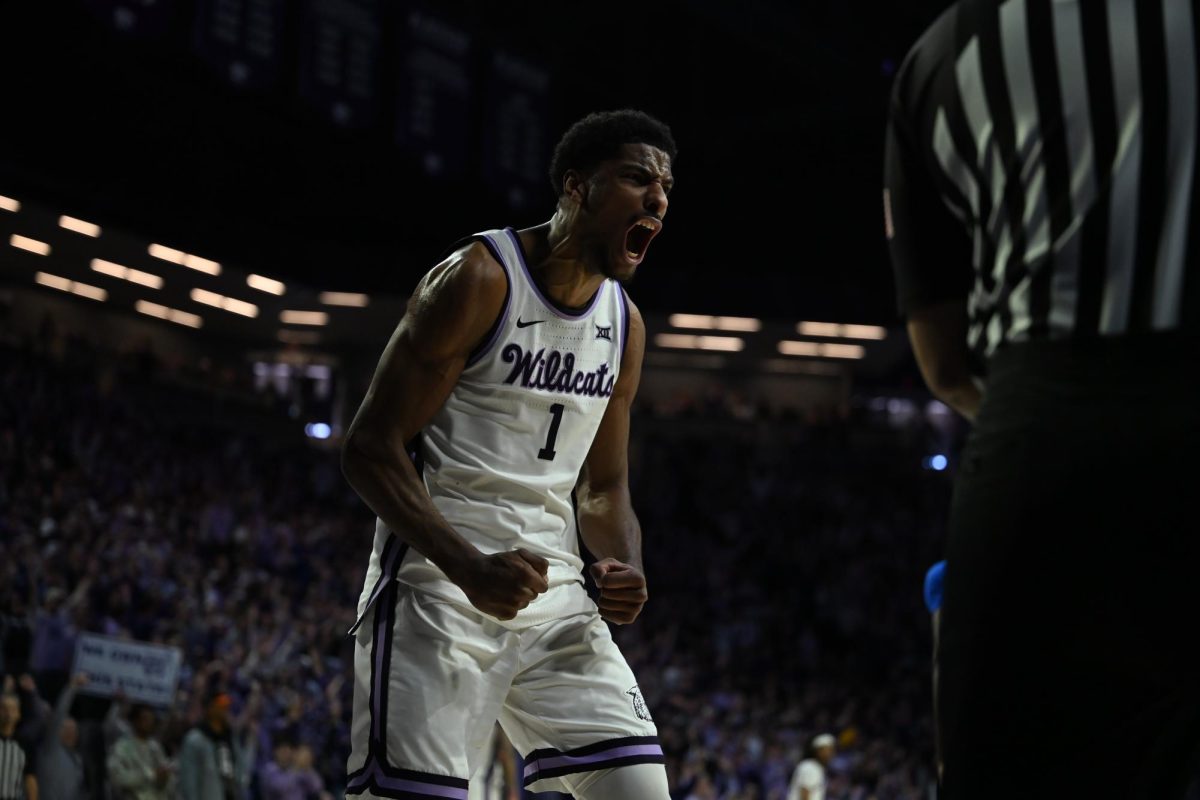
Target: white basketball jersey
(502,456)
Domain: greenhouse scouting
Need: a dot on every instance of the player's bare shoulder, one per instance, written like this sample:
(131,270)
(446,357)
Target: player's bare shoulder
(458,300)
(635,347)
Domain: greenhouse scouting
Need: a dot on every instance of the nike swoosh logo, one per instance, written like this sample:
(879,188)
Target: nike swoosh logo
(523,324)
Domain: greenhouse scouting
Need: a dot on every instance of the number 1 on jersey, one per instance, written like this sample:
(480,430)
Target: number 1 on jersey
(547,453)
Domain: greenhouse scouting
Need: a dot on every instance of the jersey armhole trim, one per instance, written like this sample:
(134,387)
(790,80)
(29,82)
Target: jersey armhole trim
(624,319)
(489,339)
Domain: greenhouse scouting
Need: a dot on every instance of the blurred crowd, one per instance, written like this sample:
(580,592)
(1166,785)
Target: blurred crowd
(785,563)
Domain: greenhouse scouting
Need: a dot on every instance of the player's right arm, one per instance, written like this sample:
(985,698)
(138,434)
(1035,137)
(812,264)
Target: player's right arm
(449,314)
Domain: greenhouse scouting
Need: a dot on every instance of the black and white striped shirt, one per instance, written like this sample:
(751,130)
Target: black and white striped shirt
(1061,136)
(15,764)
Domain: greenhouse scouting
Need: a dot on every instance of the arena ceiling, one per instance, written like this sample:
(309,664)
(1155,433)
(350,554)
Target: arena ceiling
(139,115)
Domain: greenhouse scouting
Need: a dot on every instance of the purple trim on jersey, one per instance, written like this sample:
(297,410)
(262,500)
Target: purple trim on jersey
(542,764)
(623,311)
(550,306)
(404,784)
(498,326)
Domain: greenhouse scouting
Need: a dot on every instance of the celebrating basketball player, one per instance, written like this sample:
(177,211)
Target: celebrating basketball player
(506,388)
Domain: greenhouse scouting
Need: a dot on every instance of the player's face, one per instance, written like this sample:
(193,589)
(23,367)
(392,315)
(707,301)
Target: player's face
(626,203)
(144,723)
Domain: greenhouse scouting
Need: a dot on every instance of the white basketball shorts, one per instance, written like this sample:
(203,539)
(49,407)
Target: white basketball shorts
(432,678)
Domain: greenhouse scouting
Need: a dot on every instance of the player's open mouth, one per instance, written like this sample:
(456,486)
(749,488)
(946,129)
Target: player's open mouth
(638,237)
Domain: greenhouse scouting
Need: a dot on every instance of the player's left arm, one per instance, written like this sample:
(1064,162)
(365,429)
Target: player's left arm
(606,520)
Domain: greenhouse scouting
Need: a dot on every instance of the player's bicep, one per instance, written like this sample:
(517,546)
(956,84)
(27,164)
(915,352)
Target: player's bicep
(448,314)
(607,463)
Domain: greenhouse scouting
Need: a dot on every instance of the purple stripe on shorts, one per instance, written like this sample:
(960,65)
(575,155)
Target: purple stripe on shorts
(383,642)
(374,776)
(553,762)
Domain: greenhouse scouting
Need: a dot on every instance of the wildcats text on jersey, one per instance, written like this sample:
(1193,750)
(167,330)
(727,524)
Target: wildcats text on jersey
(555,372)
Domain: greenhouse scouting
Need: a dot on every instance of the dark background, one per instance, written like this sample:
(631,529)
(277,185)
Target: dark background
(779,110)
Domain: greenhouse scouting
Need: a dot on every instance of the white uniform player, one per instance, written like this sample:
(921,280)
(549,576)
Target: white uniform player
(500,462)
(473,609)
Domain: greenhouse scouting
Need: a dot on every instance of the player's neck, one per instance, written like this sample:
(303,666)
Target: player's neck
(556,259)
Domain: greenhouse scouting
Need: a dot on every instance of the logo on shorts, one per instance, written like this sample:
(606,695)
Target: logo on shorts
(639,704)
(604,332)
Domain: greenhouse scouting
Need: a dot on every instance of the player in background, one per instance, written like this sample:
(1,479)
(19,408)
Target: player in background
(808,781)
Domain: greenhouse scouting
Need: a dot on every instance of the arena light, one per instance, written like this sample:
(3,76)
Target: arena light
(169,314)
(53,281)
(821,350)
(726,344)
(115,270)
(79,226)
(864,332)
(350,299)
(833,330)
(842,351)
(320,372)
(224,303)
(30,245)
(318,430)
(789,348)
(68,285)
(705,322)
(264,284)
(293,317)
(89,291)
(202,265)
(184,259)
(9,204)
(167,253)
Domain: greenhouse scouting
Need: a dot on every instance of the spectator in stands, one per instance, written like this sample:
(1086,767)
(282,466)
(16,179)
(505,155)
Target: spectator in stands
(214,764)
(808,782)
(197,524)
(137,766)
(311,785)
(59,763)
(290,774)
(18,777)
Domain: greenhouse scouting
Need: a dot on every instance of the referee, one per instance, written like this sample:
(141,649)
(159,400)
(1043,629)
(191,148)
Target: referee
(1041,207)
(17,776)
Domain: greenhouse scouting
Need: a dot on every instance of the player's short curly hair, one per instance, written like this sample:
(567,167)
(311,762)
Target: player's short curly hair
(599,136)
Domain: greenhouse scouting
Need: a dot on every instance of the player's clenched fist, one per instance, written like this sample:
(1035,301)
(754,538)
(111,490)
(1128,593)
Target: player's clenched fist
(622,590)
(502,584)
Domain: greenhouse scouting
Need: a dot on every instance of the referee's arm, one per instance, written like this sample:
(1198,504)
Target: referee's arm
(931,258)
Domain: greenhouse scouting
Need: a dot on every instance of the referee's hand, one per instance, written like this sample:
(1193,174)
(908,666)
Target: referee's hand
(622,590)
(502,584)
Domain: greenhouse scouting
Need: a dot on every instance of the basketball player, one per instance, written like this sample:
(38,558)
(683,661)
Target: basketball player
(509,381)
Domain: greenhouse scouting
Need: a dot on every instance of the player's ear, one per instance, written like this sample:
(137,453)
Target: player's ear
(575,187)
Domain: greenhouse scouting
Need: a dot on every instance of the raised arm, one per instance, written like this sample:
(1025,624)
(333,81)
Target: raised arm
(606,520)
(448,316)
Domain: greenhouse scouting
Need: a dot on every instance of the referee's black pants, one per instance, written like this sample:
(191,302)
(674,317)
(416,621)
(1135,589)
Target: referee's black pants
(1069,663)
